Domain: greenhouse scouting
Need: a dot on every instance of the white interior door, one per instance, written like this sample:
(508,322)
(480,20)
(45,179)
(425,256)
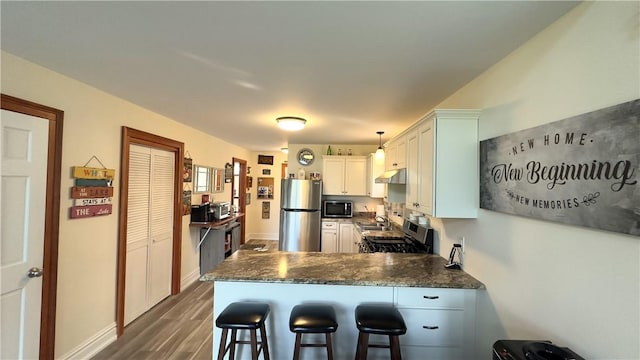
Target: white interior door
(135,302)
(24,145)
(149,229)
(161,225)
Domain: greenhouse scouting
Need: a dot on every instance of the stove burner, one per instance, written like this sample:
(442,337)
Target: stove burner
(391,246)
(415,240)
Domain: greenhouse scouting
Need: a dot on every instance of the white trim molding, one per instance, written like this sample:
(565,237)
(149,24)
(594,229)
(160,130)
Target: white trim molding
(191,277)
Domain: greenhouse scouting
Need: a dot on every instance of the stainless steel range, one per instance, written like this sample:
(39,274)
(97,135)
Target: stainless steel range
(416,239)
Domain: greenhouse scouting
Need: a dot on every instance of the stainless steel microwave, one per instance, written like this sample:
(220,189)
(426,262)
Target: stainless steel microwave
(337,209)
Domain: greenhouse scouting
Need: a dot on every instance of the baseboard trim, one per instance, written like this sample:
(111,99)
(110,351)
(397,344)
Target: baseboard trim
(189,279)
(93,345)
(262,236)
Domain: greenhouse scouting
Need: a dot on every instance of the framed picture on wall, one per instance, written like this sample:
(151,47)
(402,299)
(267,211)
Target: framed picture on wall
(265,188)
(265,159)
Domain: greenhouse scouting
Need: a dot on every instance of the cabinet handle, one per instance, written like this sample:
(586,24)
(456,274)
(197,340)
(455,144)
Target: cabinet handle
(430,327)
(431,297)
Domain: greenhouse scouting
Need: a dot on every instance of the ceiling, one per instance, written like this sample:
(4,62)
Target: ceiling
(230,68)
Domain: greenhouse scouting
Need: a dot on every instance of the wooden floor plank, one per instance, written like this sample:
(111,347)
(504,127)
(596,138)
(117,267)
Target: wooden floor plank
(180,328)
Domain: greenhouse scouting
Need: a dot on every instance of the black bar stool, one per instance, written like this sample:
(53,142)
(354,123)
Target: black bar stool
(313,319)
(380,319)
(244,316)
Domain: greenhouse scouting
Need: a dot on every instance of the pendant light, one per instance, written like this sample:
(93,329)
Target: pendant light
(380,152)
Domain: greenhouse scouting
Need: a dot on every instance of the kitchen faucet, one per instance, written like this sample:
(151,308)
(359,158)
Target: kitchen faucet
(386,222)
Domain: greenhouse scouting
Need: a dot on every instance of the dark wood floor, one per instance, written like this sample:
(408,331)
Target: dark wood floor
(180,327)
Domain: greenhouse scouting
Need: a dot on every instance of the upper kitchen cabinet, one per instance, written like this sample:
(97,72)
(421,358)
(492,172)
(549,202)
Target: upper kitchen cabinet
(375,168)
(442,164)
(344,175)
(396,154)
(413,171)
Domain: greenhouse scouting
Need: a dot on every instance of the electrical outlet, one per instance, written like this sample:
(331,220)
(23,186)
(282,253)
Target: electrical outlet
(462,244)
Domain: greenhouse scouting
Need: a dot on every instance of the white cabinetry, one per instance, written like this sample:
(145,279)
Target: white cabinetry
(396,154)
(338,236)
(413,163)
(357,239)
(344,175)
(442,164)
(375,168)
(346,240)
(329,237)
(440,322)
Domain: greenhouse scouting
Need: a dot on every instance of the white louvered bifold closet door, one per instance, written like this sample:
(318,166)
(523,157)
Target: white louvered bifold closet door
(161,212)
(149,229)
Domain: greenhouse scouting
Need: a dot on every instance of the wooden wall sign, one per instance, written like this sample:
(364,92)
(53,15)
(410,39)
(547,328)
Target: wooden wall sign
(79,192)
(90,201)
(78,212)
(580,171)
(92,192)
(266,210)
(81,172)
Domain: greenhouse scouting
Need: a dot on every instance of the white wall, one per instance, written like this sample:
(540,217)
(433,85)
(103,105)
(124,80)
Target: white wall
(87,248)
(576,286)
(256,226)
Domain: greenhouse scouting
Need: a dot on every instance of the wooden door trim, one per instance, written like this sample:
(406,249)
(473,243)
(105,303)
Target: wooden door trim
(242,194)
(52,216)
(136,137)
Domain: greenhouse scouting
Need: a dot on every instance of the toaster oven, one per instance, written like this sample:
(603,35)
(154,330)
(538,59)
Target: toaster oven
(221,210)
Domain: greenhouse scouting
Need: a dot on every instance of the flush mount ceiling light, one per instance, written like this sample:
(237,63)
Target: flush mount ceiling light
(291,123)
(380,152)
(285,150)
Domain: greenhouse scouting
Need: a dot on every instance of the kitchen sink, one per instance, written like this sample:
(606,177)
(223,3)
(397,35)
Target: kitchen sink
(374,227)
(370,227)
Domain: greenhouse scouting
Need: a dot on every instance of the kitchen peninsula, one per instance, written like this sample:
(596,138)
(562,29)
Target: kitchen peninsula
(438,304)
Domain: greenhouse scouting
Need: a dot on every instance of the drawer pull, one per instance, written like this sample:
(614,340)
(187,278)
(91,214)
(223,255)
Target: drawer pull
(430,327)
(431,297)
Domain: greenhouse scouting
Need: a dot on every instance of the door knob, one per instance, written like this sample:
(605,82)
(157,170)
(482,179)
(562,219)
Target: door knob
(34,272)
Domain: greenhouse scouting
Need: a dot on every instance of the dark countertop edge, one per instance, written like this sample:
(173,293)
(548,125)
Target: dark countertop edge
(217,223)
(303,281)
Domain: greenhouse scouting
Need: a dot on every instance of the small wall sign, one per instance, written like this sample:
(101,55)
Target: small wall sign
(79,192)
(92,192)
(187,169)
(81,172)
(78,212)
(581,171)
(228,173)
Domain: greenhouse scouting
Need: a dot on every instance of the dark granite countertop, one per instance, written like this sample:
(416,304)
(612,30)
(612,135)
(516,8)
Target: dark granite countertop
(259,261)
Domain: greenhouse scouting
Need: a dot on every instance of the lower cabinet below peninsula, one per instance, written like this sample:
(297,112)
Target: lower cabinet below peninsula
(440,321)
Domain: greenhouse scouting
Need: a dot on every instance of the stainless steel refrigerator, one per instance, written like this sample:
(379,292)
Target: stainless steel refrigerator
(300,215)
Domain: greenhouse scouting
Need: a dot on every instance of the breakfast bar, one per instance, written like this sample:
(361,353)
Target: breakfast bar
(438,304)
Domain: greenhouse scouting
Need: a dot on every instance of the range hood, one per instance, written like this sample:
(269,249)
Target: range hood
(398,176)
